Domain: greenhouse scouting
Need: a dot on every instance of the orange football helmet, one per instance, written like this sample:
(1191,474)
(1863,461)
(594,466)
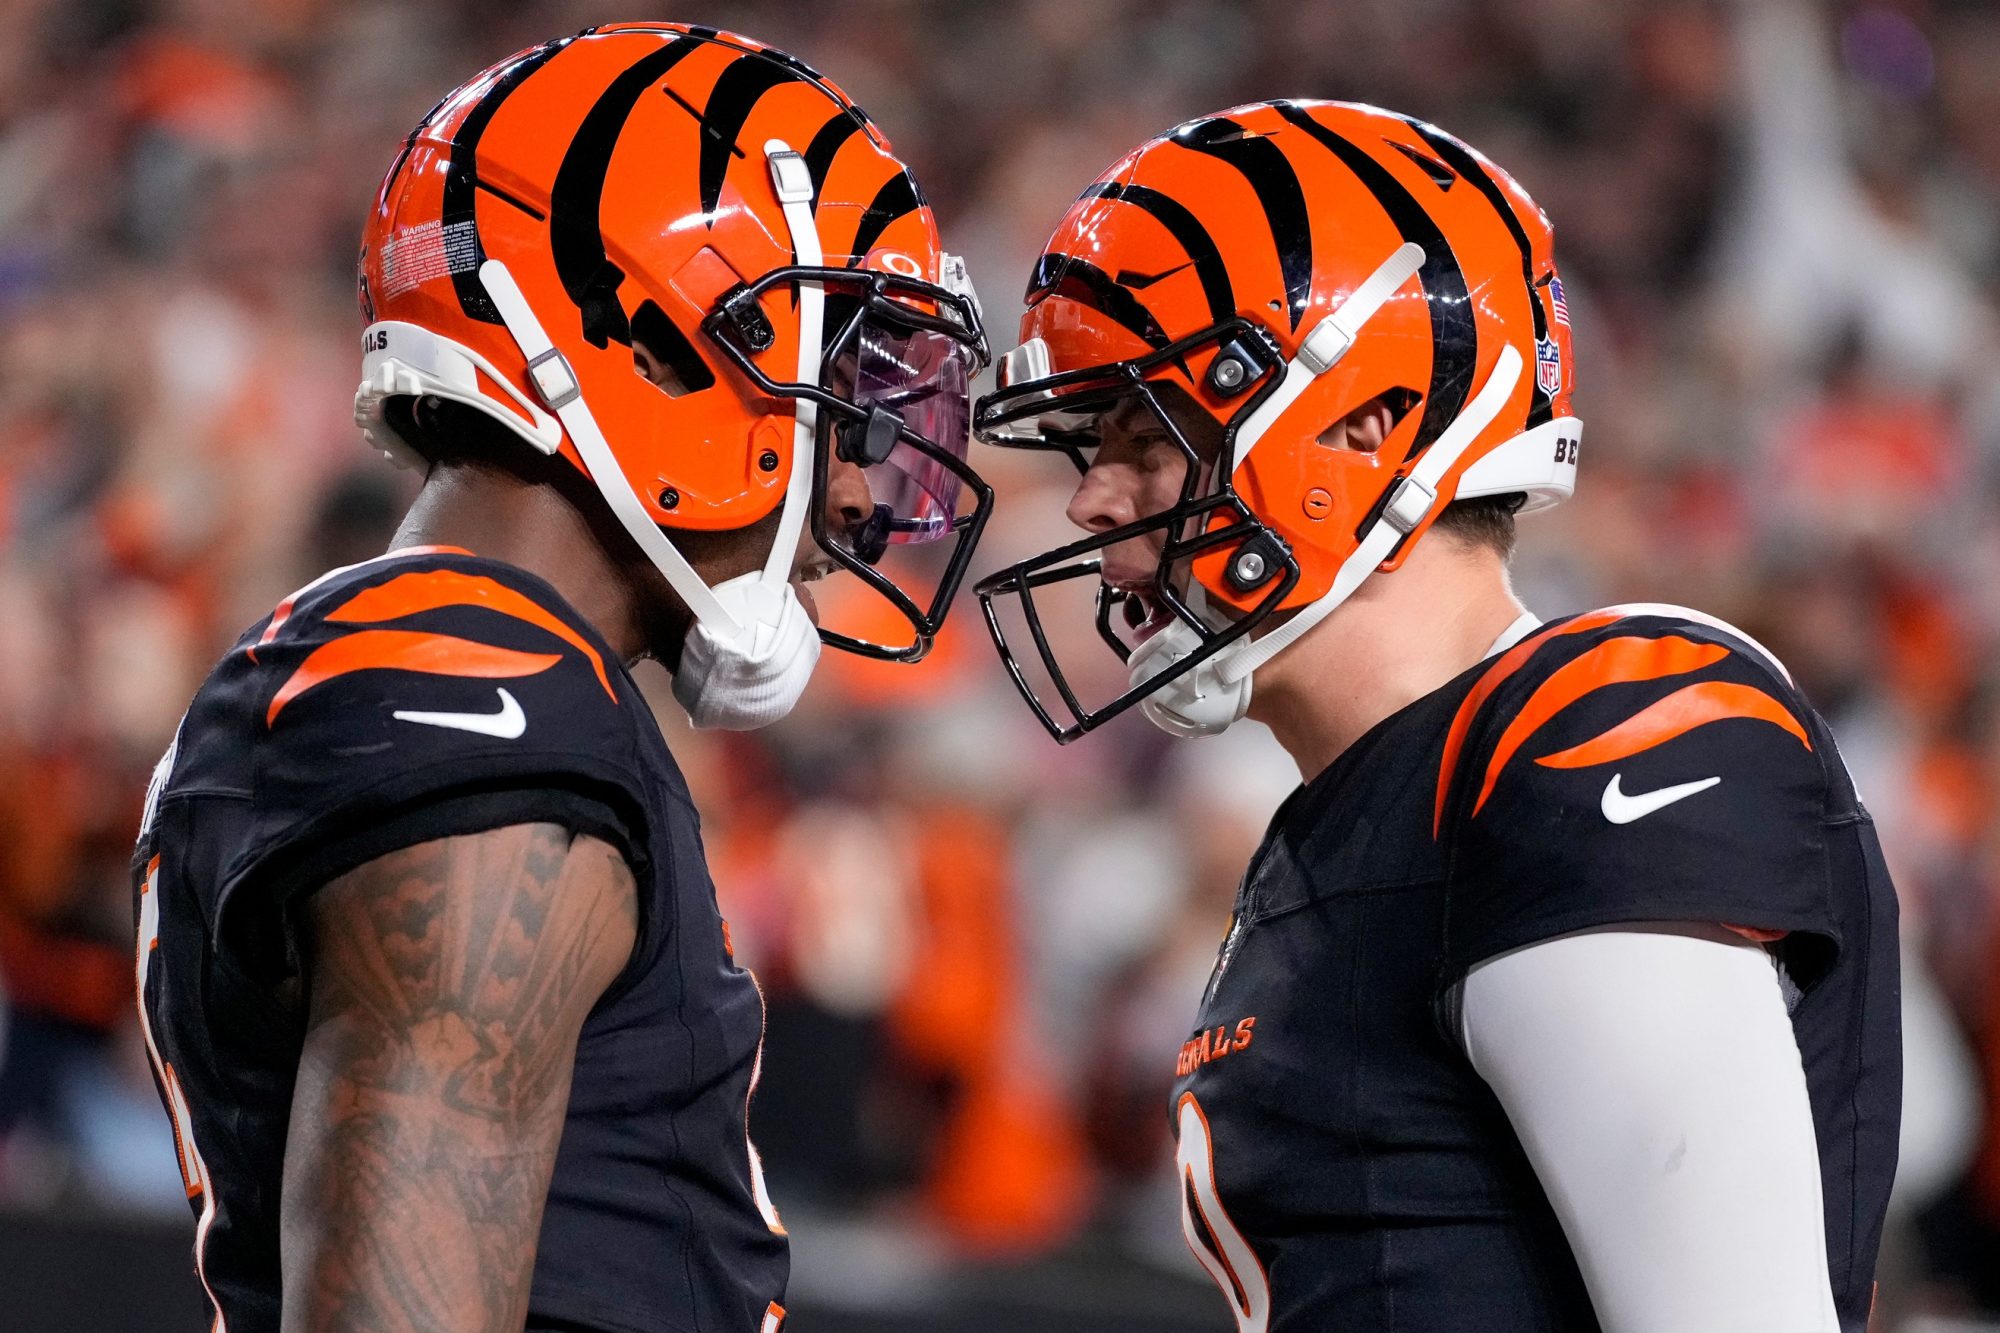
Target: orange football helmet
(727,207)
(1250,279)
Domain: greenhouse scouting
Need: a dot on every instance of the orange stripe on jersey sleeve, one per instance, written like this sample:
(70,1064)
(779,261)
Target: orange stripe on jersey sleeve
(433,654)
(1612,662)
(1679,713)
(428,590)
(1496,675)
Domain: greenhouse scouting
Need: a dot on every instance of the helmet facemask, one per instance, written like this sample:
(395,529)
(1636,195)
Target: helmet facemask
(892,397)
(1208,519)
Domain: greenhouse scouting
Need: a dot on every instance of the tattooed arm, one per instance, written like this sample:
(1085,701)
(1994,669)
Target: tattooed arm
(448,983)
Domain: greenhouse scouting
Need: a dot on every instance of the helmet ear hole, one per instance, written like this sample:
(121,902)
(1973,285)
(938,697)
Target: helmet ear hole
(1366,428)
(665,356)
(1402,401)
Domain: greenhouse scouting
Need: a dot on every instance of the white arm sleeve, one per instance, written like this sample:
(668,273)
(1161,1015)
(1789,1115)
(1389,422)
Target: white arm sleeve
(1651,1074)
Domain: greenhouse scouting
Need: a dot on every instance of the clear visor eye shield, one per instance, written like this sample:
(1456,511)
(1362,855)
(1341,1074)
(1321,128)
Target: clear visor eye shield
(893,391)
(888,392)
(1188,664)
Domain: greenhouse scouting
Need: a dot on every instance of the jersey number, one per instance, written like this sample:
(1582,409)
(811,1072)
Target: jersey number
(1210,1234)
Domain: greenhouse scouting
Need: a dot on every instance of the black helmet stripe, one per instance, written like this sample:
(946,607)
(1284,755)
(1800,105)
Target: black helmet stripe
(1086,284)
(461,175)
(1440,174)
(826,146)
(1187,229)
(793,63)
(409,146)
(587,276)
(898,196)
(1454,332)
(1541,406)
(1264,165)
(738,89)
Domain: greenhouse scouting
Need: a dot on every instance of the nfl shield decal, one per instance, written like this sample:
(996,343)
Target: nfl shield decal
(1548,366)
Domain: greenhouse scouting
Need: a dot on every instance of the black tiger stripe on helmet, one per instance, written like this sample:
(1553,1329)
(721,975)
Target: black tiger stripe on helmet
(1186,228)
(1270,174)
(588,276)
(1461,160)
(1455,333)
(461,176)
(575,233)
(1280,198)
(1083,282)
(833,136)
(735,95)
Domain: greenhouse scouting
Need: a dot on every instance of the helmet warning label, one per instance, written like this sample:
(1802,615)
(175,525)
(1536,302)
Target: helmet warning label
(428,250)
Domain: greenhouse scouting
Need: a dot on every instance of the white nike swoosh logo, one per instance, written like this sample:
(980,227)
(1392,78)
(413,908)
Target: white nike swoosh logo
(507,724)
(1622,809)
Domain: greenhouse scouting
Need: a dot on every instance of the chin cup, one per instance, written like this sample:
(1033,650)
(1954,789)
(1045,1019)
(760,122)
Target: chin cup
(754,677)
(1195,703)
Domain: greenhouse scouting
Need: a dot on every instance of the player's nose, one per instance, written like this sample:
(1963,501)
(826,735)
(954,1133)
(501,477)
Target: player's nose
(1105,498)
(850,501)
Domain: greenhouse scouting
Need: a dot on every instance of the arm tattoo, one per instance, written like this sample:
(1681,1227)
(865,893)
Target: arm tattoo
(448,981)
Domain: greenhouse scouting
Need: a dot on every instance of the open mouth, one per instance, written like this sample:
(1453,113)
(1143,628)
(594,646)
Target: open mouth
(811,571)
(1144,614)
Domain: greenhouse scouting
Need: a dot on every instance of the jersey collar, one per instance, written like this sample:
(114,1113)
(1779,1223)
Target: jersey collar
(1524,624)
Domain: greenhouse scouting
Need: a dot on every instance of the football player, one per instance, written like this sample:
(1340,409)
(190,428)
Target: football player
(1563,993)
(432,974)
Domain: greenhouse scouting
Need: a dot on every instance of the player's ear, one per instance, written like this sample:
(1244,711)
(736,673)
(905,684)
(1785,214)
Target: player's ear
(662,354)
(652,368)
(1365,428)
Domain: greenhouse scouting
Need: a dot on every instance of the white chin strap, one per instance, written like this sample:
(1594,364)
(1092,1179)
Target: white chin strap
(1215,694)
(752,647)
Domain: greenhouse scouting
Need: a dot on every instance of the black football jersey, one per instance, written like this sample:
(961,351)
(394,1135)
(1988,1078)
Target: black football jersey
(1343,1167)
(427,694)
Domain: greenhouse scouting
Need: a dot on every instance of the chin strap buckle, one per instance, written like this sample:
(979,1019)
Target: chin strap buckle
(554,380)
(791,178)
(1408,505)
(1326,344)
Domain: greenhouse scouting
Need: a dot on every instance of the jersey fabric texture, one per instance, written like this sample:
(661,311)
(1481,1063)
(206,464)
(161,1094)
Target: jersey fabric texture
(1343,1166)
(423,695)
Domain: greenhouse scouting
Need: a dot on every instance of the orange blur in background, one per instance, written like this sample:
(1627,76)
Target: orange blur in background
(1779,226)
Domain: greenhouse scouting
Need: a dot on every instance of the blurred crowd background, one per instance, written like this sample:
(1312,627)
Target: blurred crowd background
(1779,226)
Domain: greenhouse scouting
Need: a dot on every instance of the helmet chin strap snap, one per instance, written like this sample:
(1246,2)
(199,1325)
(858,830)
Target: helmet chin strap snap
(1211,696)
(752,647)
